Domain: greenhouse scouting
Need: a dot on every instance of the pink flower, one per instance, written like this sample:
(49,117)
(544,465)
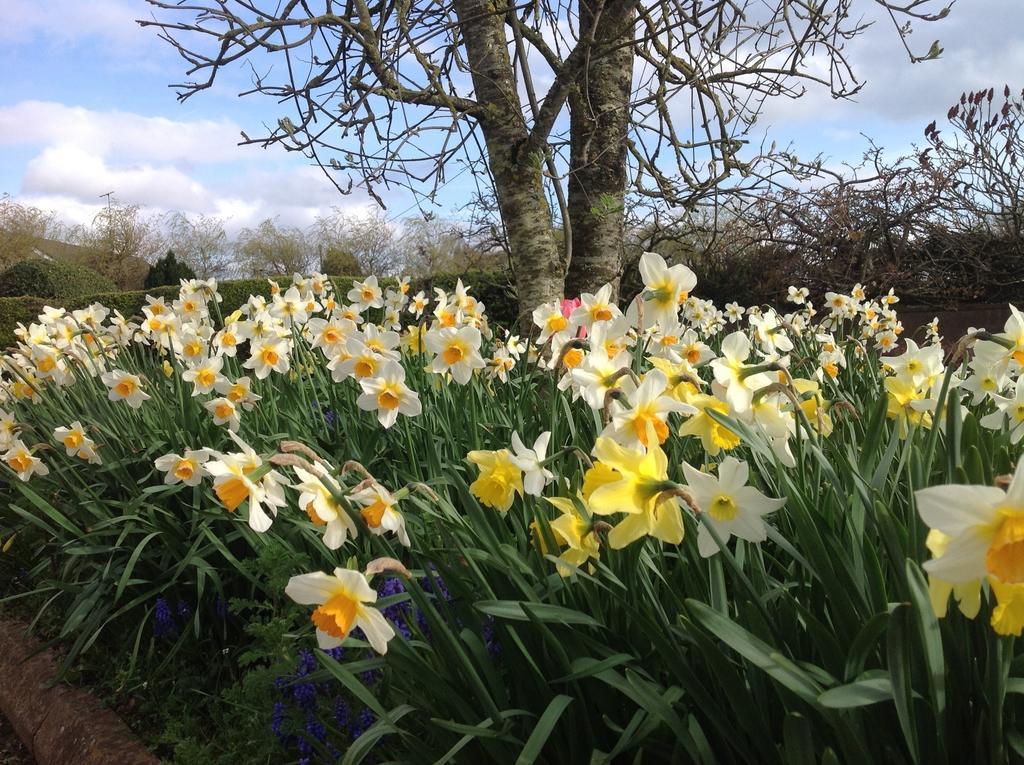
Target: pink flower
(568,306)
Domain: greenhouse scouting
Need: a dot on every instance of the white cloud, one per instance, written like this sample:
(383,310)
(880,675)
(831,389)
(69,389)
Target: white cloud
(75,155)
(68,21)
(73,171)
(130,136)
(981,46)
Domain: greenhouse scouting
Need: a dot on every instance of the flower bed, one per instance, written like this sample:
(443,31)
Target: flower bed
(669,531)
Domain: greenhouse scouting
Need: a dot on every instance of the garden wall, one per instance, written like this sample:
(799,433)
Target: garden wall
(955,322)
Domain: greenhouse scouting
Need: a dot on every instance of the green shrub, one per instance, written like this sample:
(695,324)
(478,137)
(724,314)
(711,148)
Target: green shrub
(340,262)
(51,279)
(168,271)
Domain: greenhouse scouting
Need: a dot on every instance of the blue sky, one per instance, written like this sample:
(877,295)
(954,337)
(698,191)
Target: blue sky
(85,109)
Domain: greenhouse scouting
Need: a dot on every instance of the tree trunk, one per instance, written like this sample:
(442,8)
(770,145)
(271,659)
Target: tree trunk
(518,183)
(598,126)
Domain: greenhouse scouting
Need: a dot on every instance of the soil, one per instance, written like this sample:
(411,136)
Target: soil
(12,751)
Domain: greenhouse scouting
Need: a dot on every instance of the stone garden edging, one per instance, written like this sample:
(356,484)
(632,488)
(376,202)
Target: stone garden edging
(59,725)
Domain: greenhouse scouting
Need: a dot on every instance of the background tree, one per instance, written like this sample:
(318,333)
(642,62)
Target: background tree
(982,152)
(438,246)
(21,228)
(368,238)
(168,270)
(202,242)
(389,94)
(120,243)
(273,250)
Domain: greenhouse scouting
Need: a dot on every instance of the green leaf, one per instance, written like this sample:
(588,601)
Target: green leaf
(759,653)
(541,731)
(872,689)
(900,673)
(931,641)
(545,612)
(798,739)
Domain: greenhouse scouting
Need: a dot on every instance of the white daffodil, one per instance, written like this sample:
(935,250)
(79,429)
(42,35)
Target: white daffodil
(318,498)
(388,395)
(594,308)
(770,334)
(666,288)
(550,320)
(739,380)
(920,367)
(366,294)
(71,438)
(340,608)
(379,512)
(985,526)
(184,468)
(530,461)
(243,477)
(204,375)
(238,392)
(20,459)
(646,412)
(8,429)
(268,355)
(124,387)
(456,351)
(224,412)
(732,507)
(1009,411)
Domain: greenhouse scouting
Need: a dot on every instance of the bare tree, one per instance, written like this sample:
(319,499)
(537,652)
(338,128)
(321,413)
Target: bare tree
(21,229)
(202,242)
(985,156)
(436,246)
(369,238)
(661,98)
(273,250)
(120,243)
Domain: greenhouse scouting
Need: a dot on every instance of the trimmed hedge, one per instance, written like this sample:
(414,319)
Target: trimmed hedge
(52,279)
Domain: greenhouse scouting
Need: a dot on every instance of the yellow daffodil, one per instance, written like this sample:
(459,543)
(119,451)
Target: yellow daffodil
(500,478)
(713,435)
(641,490)
(575,532)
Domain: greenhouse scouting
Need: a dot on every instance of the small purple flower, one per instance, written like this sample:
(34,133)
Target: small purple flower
(341,713)
(277,720)
(307,663)
(362,723)
(184,610)
(221,607)
(316,729)
(165,626)
(491,639)
(305,695)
